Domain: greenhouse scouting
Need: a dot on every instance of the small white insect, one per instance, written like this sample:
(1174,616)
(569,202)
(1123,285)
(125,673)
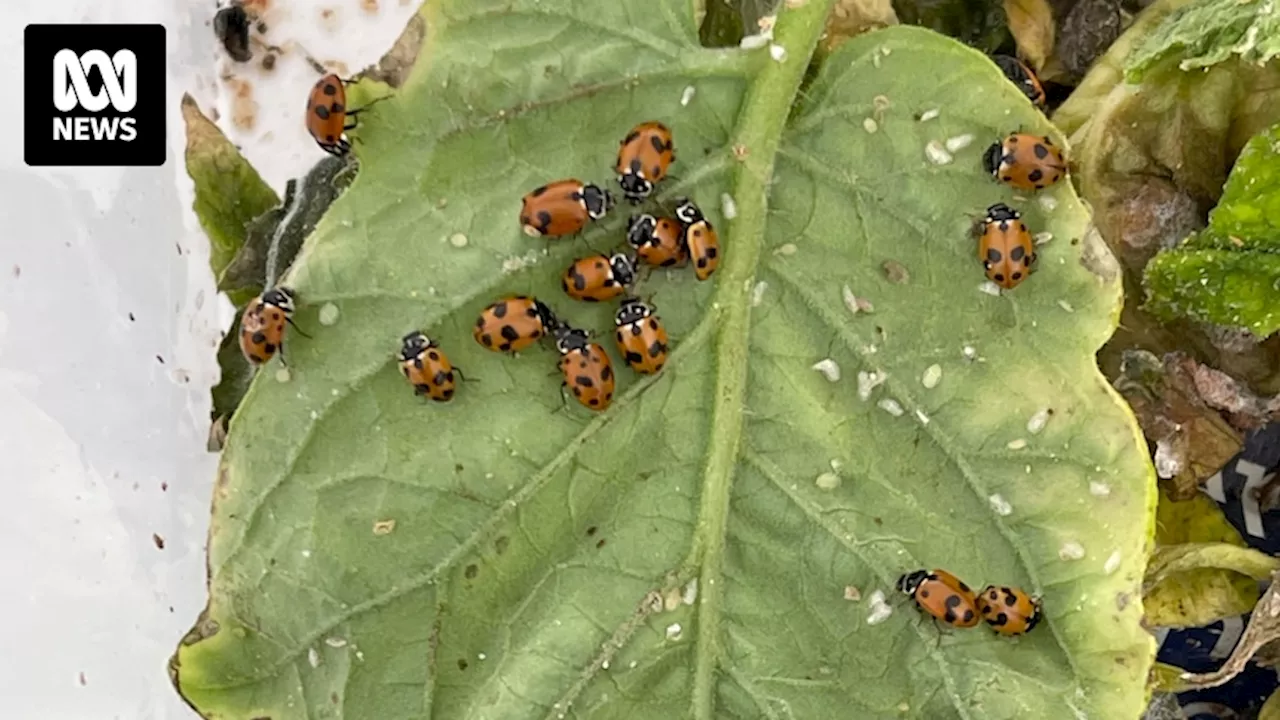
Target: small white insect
(687,95)
(1038,421)
(829,369)
(959,142)
(989,288)
(929,114)
(879,610)
(868,381)
(778,53)
(328,314)
(1042,237)
(890,406)
(937,154)
(1000,505)
(870,125)
(1018,444)
(1099,489)
(728,207)
(757,293)
(827,481)
(1112,564)
(673,631)
(1071,550)
(458,240)
(932,376)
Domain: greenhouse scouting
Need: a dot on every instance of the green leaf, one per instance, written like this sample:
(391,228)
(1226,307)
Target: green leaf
(229,192)
(371,555)
(1230,273)
(1205,33)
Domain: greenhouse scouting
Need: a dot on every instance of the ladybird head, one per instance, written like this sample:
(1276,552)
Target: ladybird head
(908,582)
(598,201)
(632,310)
(413,344)
(1000,212)
(281,297)
(992,157)
(688,213)
(569,339)
(640,230)
(635,186)
(623,267)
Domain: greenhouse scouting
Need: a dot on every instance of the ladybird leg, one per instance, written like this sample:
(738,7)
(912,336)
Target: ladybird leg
(294,325)
(464,378)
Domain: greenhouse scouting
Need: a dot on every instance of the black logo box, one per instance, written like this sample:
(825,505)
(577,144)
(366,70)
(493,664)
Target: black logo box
(42,43)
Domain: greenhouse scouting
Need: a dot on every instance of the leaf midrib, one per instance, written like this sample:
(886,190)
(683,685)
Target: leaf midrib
(765,109)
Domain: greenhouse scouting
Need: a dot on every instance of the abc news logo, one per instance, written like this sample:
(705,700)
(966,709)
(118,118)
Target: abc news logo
(94,95)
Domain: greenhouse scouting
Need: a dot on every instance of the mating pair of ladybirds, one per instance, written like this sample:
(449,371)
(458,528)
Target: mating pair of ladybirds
(945,597)
(564,207)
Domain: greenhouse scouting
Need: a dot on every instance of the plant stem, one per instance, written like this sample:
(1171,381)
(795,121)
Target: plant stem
(764,113)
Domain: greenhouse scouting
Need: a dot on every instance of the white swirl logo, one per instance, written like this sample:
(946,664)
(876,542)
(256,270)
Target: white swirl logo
(119,80)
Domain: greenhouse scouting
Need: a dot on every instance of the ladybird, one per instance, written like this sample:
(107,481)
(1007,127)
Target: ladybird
(1023,77)
(1025,161)
(658,241)
(643,158)
(563,208)
(231,25)
(1009,611)
(262,324)
(598,277)
(426,367)
(700,239)
(513,324)
(327,115)
(586,368)
(642,340)
(1005,246)
(942,595)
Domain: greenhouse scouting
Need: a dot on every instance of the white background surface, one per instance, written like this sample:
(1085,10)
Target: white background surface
(104,416)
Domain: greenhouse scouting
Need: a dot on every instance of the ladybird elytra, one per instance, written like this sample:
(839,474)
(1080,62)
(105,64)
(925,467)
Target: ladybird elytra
(585,368)
(941,595)
(563,207)
(513,323)
(1005,247)
(1009,610)
(262,324)
(644,156)
(1025,161)
(642,339)
(426,367)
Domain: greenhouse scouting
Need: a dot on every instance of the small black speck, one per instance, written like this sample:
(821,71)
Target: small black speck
(160,359)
